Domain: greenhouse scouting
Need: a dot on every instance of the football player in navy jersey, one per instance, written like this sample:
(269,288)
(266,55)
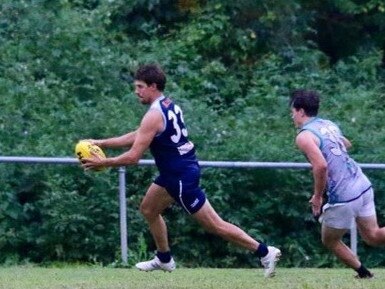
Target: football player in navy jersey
(163,131)
(349,191)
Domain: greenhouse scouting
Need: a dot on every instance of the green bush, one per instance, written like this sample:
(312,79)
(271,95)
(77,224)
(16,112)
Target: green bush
(66,71)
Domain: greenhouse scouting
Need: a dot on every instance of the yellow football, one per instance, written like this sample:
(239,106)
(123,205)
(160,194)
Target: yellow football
(84,149)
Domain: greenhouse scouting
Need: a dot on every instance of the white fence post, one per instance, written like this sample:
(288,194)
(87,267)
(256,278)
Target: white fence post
(123,213)
(353,237)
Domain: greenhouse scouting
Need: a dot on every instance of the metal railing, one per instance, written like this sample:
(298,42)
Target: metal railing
(219,164)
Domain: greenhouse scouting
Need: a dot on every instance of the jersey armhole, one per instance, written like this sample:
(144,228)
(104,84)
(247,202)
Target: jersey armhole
(163,117)
(315,133)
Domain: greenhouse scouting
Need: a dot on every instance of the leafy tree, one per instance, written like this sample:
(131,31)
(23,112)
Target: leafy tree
(343,27)
(66,70)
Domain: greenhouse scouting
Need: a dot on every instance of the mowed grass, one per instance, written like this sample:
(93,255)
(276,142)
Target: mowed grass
(110,278)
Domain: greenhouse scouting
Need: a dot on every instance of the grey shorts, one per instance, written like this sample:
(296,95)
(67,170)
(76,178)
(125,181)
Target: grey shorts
(341,216)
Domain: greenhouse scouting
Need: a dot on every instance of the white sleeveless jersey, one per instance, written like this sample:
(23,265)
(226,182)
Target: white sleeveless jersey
(346,181)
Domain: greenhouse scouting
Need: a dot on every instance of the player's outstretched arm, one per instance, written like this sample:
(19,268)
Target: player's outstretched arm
(151,124)
(125,140)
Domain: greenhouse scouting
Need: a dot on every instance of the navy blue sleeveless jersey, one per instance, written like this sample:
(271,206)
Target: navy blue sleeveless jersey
(171,149)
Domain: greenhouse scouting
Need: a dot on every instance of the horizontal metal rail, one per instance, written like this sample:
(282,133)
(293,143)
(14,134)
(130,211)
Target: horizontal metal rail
(218,164)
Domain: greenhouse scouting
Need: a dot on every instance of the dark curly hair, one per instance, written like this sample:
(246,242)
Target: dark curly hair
(151,73)
(308,100)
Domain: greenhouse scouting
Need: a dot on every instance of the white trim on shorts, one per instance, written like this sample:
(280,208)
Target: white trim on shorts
(181,198)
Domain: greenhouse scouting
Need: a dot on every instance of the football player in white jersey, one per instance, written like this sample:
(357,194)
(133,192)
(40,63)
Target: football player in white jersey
(349,192)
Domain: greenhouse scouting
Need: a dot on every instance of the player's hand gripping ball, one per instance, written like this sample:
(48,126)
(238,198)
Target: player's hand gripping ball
(84,149)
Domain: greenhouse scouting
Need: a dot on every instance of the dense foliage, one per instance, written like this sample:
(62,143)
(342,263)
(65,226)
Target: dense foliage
(65,74)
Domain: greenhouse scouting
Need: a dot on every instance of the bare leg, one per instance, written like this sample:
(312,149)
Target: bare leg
(370,231)
(331,238)
(153,204)
(213,223)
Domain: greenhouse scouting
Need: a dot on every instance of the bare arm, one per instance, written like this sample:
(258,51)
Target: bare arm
(151,124)
(125,140)
(308,144)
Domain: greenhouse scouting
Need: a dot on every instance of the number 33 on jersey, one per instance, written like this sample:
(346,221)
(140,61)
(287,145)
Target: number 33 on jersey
(171,148)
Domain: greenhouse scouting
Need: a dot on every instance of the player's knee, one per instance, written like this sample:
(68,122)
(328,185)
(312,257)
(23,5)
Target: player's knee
(146,211)
(372,239)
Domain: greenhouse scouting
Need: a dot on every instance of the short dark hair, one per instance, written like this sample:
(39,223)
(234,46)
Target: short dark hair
(151,73)
(308,100)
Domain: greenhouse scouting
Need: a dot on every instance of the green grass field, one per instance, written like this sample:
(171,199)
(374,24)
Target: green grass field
(28,277)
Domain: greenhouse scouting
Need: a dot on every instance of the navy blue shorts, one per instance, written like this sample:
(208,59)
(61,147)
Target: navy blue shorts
(184,189)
